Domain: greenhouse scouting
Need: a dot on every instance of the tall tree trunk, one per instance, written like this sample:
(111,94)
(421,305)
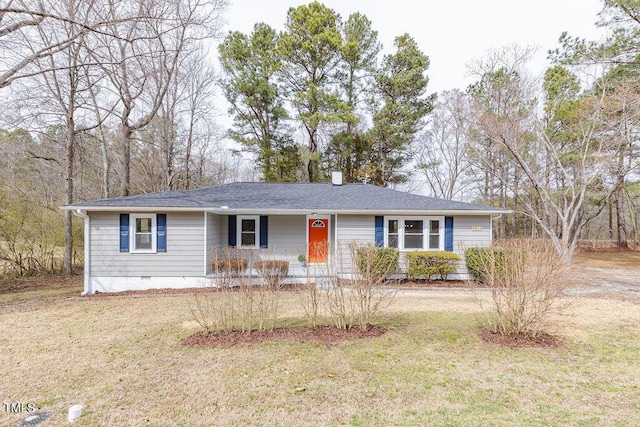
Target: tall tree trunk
(621,222)
(313,150)
(620,194)
(187,156)
(106,167)
(126,158)
(67,261)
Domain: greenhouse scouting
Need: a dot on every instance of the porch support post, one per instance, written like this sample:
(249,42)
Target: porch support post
(206,235)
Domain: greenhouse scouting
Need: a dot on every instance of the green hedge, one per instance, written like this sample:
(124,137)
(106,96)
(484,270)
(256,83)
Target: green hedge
(426,264)
(481,261)
(376,261)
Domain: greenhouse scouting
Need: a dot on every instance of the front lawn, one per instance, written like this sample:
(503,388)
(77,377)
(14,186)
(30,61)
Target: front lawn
(123,358)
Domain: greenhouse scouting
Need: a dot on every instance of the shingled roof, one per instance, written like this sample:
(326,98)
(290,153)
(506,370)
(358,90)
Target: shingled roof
(287,197)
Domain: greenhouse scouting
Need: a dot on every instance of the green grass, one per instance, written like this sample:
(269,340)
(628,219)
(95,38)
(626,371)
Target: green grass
(122,358)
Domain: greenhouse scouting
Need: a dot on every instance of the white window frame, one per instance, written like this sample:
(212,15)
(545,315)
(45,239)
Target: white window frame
(255,218)
(132,233)
(426,229)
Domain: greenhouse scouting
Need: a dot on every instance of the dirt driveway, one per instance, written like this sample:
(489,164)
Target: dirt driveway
(611,274)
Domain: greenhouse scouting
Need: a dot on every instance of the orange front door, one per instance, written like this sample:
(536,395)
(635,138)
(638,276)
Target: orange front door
(318,239)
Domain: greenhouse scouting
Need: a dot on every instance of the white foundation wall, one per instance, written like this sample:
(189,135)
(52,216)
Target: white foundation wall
(142,283)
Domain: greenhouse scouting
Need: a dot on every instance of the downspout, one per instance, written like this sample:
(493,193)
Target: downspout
(87,250)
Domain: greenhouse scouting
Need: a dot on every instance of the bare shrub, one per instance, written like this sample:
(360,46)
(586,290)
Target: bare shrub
(336,294)
(216,306)
(267,292)
(367,286)
(374,286)
(310,296)
(228,264)
(528,283)
(242,292)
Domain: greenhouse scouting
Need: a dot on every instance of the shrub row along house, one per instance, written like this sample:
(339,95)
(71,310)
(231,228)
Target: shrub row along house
(168,239)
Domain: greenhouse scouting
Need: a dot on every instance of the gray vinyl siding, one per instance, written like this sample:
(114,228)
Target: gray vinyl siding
(471,231)
(352,228)
(360,228)
(184,256)
(287,235)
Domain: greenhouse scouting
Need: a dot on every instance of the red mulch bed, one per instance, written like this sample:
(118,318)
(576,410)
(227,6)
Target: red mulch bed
(300,334)
(520,341)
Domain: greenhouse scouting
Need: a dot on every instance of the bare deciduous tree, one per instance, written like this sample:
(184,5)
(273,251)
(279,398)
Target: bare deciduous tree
(440,153)
(141,62)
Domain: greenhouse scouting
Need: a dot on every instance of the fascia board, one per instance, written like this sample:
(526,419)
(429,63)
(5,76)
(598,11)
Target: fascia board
(231,211)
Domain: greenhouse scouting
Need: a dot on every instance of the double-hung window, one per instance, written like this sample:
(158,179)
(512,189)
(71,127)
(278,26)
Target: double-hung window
(414,233)
(143,233)
(393,233)
(435,233)
(248,231)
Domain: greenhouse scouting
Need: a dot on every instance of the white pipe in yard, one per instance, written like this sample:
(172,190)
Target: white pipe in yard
(74,413)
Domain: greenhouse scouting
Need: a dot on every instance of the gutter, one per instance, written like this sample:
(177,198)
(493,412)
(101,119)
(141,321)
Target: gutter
(87,250)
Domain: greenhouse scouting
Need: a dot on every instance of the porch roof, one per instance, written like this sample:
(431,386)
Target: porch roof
(289,197)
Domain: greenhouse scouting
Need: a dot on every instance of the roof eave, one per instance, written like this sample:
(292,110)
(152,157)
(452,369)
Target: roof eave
(133,208)
(435,212)
(305,211)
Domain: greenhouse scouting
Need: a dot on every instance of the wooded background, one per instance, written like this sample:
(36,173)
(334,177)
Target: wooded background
(104,98)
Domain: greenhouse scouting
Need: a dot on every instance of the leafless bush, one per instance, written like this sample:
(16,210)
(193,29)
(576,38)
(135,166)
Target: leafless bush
(266,295)
(367,286)
(243,291)
(228,265)
(310,298)
(330,290)
(216,307)
(528,283)
(374,287)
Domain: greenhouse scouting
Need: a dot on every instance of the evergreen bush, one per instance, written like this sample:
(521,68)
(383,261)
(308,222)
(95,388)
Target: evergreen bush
(427,264)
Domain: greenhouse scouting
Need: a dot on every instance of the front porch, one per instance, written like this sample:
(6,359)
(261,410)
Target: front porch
(305,243)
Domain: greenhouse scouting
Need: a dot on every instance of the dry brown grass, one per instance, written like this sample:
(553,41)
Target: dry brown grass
(609,259)
(123,359)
